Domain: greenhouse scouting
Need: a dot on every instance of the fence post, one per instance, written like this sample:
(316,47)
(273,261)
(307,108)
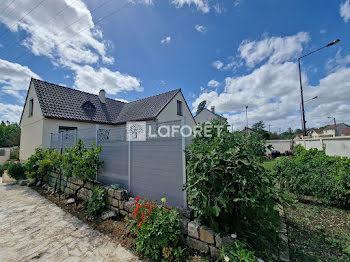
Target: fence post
(183,155)
(96,135)
(129,165)
(61,142)
(50,140)
(76,136)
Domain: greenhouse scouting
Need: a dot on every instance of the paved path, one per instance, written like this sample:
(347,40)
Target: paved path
(34,229)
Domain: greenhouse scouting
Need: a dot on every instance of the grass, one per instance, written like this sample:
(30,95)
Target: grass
(318,233)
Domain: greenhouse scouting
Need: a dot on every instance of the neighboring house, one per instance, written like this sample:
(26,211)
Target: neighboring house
(299,135)
(51,108)
(207,115)
(330,131)
(248,130)
(345,132)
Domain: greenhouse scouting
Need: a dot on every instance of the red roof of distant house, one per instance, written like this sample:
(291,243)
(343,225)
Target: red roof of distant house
(332,126)
(346,132)
(318,131)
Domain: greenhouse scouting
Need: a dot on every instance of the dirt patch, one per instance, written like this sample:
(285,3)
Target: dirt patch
(318,233)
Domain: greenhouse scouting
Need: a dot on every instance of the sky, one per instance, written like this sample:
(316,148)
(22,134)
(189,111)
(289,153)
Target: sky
(231,53)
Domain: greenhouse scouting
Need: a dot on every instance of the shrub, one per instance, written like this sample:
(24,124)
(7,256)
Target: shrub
(42,162)
(313,173)
(97,202)
(229,188)
(157,231)
(236,252)
(14,154)
(81,163)
(16,171)
(3,168)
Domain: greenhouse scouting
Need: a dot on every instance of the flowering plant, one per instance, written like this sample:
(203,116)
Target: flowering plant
(156,230)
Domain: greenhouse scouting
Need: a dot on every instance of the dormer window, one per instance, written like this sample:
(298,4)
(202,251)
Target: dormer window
(88,106)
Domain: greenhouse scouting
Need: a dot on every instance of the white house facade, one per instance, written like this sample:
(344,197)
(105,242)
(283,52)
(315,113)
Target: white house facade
(51,108)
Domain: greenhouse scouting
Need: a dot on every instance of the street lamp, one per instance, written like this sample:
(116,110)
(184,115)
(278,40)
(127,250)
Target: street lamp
(301,86)
(305,103)
(335,125)
(246,118)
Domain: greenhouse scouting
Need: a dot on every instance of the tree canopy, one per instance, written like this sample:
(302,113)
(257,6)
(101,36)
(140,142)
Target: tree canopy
(10,134)
(201,106)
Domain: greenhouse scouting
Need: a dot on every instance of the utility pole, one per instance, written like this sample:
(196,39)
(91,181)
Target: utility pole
(269,128)
(335,125)
(303,121)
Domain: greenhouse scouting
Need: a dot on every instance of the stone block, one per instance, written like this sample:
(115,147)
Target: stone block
(214,252)
(193,230)
(121,204)
(186,212)
(206,234)
(119,194)
(222,240)
(114,202)
(123,213)
(129,206)
(197,245)
(116,210)
(184,225)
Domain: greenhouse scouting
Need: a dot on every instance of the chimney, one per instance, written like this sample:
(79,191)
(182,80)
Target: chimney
(213,109)
(102,96)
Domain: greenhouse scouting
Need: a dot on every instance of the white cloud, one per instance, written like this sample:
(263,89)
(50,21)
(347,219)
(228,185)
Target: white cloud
(91,80)
(146,2)
(9,112)
(345,11)
(323,31)
(201,29)
(237,2)
(219,9)
(14,78)
(202,5)
(218,64)
(70,40)
(276,49)
(213,83)
(166,40)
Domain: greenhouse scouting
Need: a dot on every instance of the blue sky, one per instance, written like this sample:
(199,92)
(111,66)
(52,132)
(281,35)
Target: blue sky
(231,53)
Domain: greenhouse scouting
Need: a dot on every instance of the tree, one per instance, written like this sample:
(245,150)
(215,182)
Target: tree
(201,106)
(9,134)
(259,129)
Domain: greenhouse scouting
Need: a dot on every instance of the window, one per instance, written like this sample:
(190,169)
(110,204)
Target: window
(179,108)
(88,106)
(31,105)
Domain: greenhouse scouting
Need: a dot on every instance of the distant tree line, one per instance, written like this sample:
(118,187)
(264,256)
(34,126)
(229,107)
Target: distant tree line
(259,128)
(10,134)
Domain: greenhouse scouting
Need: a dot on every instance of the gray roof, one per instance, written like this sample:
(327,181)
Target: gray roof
(66,103)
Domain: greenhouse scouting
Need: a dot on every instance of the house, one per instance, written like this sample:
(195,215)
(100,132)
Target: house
(51,108)
(299,135)
(317,133)
(248,130)
(345,132)
(207,115)
(335,130)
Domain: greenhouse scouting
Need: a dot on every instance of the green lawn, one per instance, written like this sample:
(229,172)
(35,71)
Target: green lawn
(269,164)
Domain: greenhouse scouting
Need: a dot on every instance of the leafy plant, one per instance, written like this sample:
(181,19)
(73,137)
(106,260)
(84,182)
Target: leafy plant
(16,171)
(3,168)
(237,252)
(82,163)
(42,162)
(227,185)
(313,173)
(157,231)
(97,202)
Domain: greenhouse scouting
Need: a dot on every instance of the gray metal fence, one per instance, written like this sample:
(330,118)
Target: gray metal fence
(153,169)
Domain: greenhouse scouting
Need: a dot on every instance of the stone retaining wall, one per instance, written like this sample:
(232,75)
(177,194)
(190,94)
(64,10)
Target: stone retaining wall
(200,238)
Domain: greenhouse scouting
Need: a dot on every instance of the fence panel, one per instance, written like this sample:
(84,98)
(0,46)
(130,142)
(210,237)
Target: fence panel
(156,170)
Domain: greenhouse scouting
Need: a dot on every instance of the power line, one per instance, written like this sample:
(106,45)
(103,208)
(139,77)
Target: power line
(7,7)
(48,24)
(84,29)
(31,10)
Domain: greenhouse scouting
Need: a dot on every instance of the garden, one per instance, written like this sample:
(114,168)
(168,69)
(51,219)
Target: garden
(233,191)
